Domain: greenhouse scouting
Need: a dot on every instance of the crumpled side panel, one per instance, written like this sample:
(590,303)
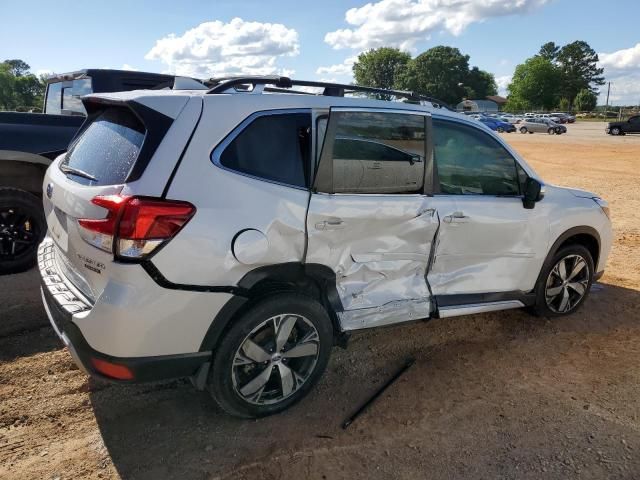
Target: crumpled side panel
(378,246)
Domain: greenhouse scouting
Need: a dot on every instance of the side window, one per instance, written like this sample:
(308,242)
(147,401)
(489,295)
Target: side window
(274,147)
(54,98)
(377,152)
(470,162)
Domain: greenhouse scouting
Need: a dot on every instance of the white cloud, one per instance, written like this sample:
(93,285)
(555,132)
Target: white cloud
(126,66)
(344,69)
(503,81)
(218,48)
(622,69)
(625,59)
(44,71)
(402,23)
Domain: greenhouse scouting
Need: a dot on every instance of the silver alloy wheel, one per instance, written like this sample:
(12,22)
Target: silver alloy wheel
(615,131)
(275,359)
(567,283)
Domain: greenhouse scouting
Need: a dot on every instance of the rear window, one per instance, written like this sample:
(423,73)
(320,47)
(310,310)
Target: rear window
(107,149)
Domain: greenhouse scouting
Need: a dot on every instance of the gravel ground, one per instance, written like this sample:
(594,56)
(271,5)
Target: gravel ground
(502,395)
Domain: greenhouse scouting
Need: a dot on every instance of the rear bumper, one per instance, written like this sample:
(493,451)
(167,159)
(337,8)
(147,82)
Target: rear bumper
(64,305)
(143,369)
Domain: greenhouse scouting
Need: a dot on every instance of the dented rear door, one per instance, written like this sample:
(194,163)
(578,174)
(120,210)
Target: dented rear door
(374,230)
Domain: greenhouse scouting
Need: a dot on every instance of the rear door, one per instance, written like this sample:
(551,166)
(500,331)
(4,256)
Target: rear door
(368,217)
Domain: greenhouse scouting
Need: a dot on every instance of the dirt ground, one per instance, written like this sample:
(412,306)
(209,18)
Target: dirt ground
(502,395)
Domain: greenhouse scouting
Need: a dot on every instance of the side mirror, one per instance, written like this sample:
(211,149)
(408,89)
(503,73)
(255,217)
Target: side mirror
(532,193)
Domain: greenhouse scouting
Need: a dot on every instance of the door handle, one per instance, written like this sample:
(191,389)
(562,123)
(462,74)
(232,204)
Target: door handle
(456,217)
(331,224)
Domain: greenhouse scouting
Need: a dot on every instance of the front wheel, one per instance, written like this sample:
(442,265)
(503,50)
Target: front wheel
(551,131)
(500,130)
(271,356)
(564,282)
(22,228)
(615,131)
(523,129)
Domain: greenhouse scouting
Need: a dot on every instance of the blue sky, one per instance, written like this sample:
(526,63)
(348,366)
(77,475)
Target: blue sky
(315,39)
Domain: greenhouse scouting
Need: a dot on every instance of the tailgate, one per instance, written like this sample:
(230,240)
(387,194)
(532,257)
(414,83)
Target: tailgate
(98,163)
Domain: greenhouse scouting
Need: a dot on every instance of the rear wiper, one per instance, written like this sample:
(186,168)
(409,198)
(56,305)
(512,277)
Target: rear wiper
(78,172)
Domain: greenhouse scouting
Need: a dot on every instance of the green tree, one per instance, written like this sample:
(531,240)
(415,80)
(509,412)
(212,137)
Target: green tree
(585,100)
(380,67)
(480,84)
(18,67)
(18,87)
(534,84)
(549,51)
(578,64)
(564,104)
(439,72)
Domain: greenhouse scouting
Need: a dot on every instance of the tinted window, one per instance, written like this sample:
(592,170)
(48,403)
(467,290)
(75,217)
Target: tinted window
(54,100)
(469,161)
(273,147)
(376,152)
(107,149)
(71,95)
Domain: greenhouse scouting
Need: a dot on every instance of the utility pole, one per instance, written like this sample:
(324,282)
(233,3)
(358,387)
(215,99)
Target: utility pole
(606,105)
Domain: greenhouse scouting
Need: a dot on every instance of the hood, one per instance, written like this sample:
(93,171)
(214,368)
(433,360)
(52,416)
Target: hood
(579,193)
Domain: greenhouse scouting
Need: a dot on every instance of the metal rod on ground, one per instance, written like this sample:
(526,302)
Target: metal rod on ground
(368,403)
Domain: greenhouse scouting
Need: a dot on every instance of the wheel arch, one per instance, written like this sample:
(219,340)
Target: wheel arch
(584,235)
(316,281)
(23,174)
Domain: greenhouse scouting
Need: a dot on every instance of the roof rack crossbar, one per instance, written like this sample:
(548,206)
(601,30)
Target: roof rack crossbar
(281,84)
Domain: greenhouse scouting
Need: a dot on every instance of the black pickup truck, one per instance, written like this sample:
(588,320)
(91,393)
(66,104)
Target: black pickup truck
(29,142)
(622,128)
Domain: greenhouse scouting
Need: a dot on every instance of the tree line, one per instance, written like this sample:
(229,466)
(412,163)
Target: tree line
(563,78)
(19,88)
(441,72)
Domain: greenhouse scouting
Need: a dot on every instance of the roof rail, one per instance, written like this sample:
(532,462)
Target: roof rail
(282,84)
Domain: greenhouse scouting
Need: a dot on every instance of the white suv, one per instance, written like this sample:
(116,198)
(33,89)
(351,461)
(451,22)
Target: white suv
(235,235)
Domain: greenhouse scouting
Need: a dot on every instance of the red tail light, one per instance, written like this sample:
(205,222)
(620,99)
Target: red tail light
(135,226)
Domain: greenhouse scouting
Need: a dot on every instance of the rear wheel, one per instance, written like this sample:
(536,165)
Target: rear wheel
(500,130)
(271,357)
(565,282)
(523,129)
(22,228)
(551,131)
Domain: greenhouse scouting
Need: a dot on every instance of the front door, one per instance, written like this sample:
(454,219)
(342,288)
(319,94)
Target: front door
(489,247)
(368,218)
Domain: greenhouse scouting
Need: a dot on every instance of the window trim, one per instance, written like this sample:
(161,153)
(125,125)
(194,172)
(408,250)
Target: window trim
(323,178)
(217,151)
(436,177)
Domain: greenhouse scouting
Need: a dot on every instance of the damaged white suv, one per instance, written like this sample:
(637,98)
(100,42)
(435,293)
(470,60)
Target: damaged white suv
(235,235)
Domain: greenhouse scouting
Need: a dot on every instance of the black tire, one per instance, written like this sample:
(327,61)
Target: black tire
(222,377)
(523,130)
(616,131)
(542,306)
(500,130)
(531,133)
(551,131)
(19,241)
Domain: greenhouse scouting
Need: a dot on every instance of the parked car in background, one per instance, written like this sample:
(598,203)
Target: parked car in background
(497,125)
(553,118)
(207,234)
(30,141)
(541,125)
(566,116)
(622,128)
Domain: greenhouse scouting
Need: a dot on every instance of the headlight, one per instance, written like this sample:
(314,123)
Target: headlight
(603,205)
